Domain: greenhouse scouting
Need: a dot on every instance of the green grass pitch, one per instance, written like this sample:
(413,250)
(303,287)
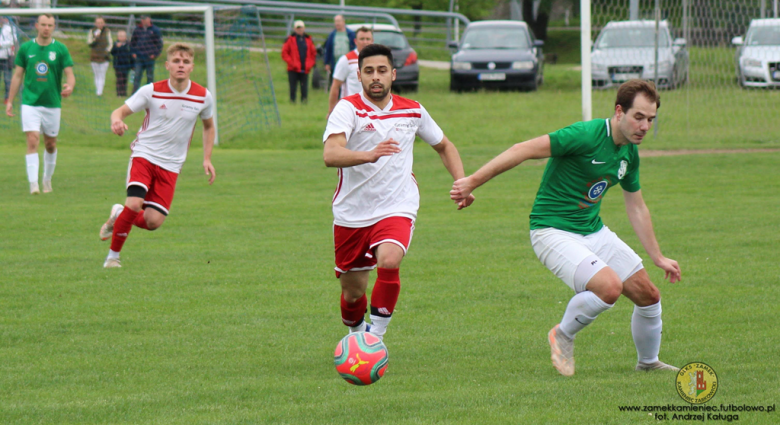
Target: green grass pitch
(229,314)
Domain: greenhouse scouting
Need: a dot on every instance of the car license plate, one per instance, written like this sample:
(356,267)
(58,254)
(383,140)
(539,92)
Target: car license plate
(492,77)
(625,77)
(776,75)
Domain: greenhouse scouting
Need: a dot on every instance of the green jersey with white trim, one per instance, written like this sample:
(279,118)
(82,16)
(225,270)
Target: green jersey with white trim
(43,69)
(585,163)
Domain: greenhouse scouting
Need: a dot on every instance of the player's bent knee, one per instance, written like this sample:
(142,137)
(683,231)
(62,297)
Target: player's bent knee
(606,285)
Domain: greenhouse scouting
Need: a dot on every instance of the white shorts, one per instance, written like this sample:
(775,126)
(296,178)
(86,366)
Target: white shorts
(562,252)
(41,119)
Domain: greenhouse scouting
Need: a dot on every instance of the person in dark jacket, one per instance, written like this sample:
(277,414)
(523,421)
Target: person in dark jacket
(299,53)
(146,45)
(99,41)
(340,42)
(123,62)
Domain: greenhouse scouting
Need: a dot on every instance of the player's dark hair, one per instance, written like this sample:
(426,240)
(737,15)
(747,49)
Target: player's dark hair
(364,29)
(375,50)
(629,90)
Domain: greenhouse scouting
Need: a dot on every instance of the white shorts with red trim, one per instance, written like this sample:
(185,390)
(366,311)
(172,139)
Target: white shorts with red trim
(355,246)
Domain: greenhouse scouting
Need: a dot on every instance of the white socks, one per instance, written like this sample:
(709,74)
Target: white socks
(646,327)
(49,162)
(359,328)
(379,325)
(32,167)
(113,255)
(581,311)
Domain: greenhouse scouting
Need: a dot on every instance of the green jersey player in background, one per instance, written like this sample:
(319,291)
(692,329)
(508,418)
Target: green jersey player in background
(40,63)
(568,237)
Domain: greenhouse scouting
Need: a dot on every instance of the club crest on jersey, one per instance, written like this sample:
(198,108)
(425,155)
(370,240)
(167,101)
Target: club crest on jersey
(369,127)
(42,68)
(52,56)
(622,169)
(597,190)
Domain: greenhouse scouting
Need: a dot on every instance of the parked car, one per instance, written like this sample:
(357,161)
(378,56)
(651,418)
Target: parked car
(626,50)
(758,54)
(497,54)
(404,57)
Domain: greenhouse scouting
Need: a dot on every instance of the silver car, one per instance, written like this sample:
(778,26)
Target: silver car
(626,50)
(758,54)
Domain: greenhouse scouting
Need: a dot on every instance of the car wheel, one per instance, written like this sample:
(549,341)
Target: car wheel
(316,79)
(456,88)
(741,79)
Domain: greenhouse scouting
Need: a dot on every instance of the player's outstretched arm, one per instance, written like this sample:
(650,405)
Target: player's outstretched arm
(118,125)
(537,148)
(452,162)
(16,82)
(639,216)
(209,134)
(70,82)
(337,155)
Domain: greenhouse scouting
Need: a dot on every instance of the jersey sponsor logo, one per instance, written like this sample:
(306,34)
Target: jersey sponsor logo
(597,190)
(369,127)
(42,68)
(406,127)
(622,170)
(189,108)
(52,56)
(594,162)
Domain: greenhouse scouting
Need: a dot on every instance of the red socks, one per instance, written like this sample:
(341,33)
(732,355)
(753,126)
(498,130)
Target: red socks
(140,221)
(385,293)
(353,313)
(122,228)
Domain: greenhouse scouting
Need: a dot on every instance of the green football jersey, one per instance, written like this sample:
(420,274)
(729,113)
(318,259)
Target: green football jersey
(585,163)
(43,69)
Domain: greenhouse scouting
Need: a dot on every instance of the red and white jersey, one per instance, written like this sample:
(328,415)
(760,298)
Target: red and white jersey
(165,135)
(346,70)
(369,192)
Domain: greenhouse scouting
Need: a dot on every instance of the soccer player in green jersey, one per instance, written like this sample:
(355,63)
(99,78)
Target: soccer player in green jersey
(40,63)
(567,235)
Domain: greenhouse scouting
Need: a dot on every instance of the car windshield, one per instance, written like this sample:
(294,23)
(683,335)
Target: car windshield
(615,38)
(390,39)
(495,38)
(764,36)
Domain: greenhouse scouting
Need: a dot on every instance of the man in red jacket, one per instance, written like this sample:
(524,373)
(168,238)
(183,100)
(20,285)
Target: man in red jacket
(299,53)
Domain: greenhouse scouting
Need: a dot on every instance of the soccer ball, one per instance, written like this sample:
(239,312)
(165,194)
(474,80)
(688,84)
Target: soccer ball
(361,358)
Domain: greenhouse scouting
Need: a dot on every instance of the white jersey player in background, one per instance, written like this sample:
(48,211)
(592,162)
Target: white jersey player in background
(345,79)
(160,148)
(369,138)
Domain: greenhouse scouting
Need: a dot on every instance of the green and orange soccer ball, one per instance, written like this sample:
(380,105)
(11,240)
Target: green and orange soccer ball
(361,358)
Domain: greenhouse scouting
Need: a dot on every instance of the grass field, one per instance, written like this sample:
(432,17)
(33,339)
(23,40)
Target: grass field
(229,313)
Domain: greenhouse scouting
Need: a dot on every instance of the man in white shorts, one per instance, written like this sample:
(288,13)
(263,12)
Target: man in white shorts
(40,63)
(172,107)
(568,235)
(370,139)
(345,79)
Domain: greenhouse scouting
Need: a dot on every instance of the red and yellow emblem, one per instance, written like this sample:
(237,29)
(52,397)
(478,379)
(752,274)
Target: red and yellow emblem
(696,383)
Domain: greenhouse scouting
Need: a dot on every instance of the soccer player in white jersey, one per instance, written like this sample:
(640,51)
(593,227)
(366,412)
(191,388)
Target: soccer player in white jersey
(160,148)
(567,234)
(369,138)
(345,79)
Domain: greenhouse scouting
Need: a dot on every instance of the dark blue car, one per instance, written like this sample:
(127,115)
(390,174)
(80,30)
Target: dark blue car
(497,54)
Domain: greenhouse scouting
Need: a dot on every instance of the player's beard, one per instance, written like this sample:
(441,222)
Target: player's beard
(376,95)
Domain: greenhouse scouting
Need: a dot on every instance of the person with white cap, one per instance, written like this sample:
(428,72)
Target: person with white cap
(300,54)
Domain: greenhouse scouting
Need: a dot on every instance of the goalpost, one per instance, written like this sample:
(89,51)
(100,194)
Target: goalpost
(229,38)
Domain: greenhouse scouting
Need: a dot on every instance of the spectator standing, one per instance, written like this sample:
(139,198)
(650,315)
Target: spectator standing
(299,53)
(340,42)
(99,40)
(123,62)
(146,45)
(7,48)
